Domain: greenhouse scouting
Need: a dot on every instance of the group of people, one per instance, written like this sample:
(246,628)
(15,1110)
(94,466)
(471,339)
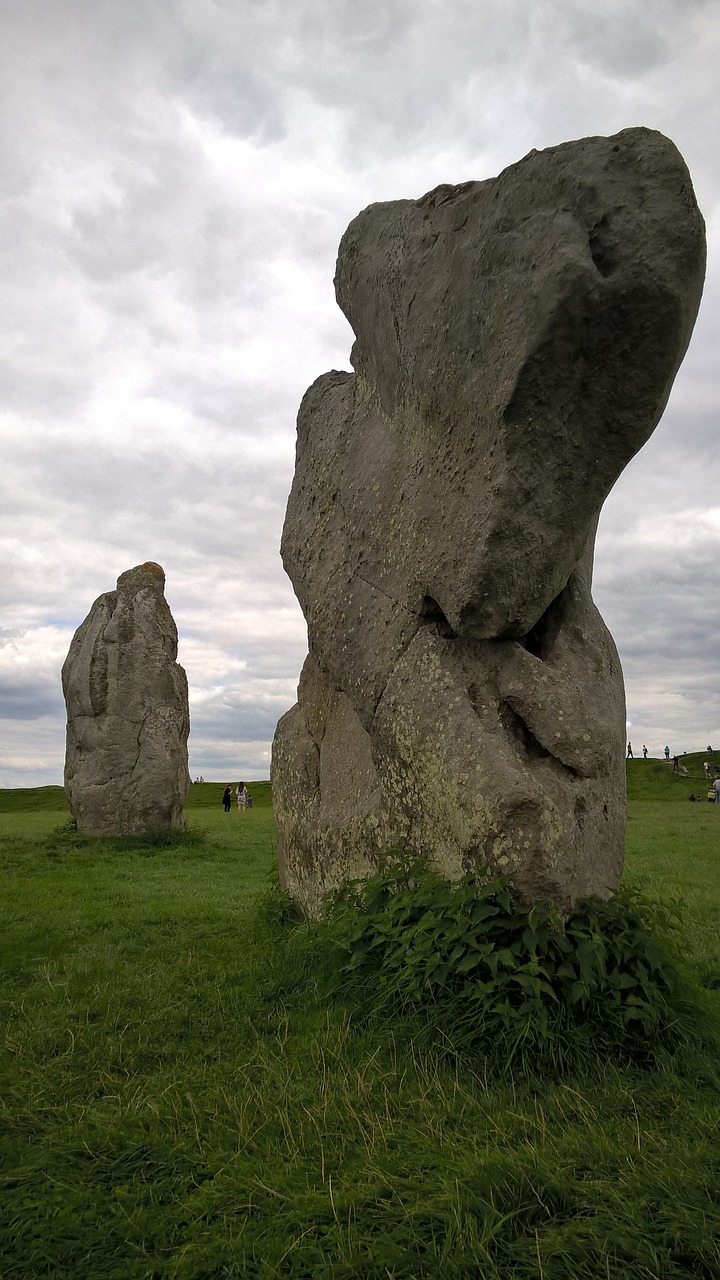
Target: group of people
(244,799)
(715,787)
(630,755)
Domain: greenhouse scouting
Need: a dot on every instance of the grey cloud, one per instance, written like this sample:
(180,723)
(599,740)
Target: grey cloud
(221,762)
(247,720)
(592,32)
(30,699)
(175,182)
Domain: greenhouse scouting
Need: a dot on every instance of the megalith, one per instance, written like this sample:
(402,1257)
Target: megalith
(516,342)
(126,760)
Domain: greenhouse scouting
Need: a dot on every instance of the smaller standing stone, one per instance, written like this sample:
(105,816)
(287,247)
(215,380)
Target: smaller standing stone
(126,760)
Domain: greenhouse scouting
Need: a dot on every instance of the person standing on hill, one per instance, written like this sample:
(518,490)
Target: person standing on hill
(706,767)
(241,794)
(716,785)
(629,751)
(667,753)
(227,797)
(644,752)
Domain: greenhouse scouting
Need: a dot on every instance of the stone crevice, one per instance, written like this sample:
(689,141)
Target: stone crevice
(530,745)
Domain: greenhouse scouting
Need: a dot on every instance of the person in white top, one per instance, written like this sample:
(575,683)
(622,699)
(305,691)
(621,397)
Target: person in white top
(241,794)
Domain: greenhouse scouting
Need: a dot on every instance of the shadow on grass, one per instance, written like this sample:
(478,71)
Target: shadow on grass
(66,838)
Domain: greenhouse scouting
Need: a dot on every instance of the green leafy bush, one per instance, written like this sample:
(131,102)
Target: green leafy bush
(490,972)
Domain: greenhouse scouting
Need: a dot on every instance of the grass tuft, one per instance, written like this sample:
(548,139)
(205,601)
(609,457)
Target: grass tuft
(473,972)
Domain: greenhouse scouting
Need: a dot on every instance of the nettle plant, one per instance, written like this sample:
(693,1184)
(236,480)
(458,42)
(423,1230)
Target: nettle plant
(493,972)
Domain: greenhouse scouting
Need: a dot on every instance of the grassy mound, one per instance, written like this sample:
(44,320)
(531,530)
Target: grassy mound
(33,800)
(208,795)
(656,779)
(52,799)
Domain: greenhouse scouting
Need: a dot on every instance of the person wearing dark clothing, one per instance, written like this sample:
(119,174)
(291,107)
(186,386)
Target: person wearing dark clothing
(227,797)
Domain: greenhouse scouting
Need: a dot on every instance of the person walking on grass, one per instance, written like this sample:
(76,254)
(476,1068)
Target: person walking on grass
(644,752)
(667,753)
(241,794)
(227,797)
(629,751)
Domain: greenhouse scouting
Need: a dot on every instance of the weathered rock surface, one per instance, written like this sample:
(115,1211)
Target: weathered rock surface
(517,340)
(126,761)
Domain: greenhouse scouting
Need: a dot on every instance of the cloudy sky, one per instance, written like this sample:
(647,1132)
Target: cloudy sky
(175,176)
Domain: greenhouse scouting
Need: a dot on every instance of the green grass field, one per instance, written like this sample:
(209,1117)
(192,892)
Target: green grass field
(179,1099)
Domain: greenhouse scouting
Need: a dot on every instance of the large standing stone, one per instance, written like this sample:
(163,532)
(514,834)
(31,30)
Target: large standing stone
(517,340)
(126,761)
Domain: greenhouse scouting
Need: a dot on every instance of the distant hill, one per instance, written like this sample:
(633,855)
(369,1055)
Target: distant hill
(206,795)
(41,799)
(656,780)
(33,799)
(646,780)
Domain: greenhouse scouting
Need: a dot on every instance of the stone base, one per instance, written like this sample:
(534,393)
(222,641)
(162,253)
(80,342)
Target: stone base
(479,753)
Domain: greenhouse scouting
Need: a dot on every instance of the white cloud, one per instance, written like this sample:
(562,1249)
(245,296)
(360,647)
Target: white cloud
(174,181)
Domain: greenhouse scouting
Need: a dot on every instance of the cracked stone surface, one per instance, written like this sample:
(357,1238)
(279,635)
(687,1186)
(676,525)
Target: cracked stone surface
(126,761)
(516,342)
